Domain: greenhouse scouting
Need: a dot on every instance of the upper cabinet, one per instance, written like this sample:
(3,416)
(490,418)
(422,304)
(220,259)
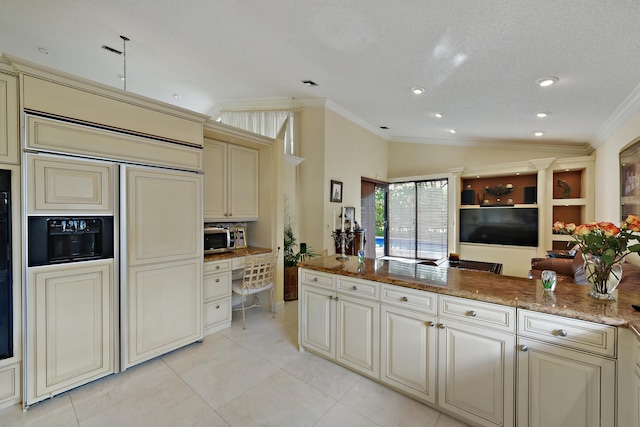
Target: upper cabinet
(8,119)
(230,182)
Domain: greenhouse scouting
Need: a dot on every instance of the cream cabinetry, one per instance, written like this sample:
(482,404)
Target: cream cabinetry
(58,184)
(343,326)
(10,381)
(9,119)
(217,295)
(566,372)
(231,182)
(162,238)
(476,360)
(72,327)
(408,341)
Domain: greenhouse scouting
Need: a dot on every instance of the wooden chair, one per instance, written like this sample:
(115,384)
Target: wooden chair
(259,275)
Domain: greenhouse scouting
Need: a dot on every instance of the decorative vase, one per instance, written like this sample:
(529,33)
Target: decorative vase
(603,277)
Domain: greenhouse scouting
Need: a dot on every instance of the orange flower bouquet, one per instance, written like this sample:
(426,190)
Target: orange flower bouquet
(604,246)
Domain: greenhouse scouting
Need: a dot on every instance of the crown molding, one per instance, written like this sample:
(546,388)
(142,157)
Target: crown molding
(627,109)
(292,160)
(572,148)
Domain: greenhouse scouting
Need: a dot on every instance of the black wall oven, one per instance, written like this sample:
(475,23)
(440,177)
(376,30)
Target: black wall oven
(56,240)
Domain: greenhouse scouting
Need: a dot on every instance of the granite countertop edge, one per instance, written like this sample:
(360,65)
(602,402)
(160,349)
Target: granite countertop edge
(236,253)
(568,300)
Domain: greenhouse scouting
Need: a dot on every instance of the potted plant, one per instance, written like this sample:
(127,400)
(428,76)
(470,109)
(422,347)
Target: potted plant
(292,254)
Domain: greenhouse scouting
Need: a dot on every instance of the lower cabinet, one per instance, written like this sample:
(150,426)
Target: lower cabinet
(565,376)
(491,365)
(217,296)
(72,327)
(10,385)
(408,352)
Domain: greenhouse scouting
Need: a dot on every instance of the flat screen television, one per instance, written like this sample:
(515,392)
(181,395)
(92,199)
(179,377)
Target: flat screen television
(499,226)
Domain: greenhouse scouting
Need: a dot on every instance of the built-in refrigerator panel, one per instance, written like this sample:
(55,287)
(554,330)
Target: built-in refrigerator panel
(161,278)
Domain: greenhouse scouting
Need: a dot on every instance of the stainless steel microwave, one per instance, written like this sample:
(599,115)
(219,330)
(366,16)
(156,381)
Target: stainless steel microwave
(217,239)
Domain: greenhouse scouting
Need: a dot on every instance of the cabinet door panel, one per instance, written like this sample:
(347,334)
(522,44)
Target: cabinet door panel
(358,336)
(9,127)
(64,185)
(243,183)
(558,387)
(215,180)
(476,373)
(73,319)
(164,216)
(408,352)
(164,308)
(317,320)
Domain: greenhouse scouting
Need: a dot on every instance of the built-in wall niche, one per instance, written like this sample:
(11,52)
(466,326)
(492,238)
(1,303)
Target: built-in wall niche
(567,184)
(517,196)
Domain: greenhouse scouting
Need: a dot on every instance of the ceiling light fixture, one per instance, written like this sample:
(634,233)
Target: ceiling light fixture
(309,83)
(546,81)
(121,77)
(452,131)
(384,127)
(439,115)
(176,96)
(542,114)
(43,50)
(538,133)
(417,90)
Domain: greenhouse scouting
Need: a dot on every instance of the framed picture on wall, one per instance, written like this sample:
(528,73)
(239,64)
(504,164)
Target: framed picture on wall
(336,191)
(630,180)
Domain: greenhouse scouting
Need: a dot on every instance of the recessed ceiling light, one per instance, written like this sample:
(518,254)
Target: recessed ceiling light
(309,83)
(439,115)
(121,77)
(538,133)
(176,96)
(452,130)
(43,50)
(417,90)
(546,81)
(542,114)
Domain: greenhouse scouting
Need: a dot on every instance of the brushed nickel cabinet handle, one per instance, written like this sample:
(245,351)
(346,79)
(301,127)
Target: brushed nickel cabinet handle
(472,313)
(404,299)
(355,288)
(217,306)
(440,325)
(524,348)
(562,333)
(430,323)
(217,280)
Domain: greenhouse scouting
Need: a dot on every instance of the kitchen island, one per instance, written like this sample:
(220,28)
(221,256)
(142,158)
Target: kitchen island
(488,349)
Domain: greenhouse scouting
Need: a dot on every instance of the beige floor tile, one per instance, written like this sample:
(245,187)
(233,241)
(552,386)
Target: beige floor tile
(213,420)
(447,421)
(196,354)
(280,400)
(224,378)
(341,416)
(387,407)
(57,411)
(326,376)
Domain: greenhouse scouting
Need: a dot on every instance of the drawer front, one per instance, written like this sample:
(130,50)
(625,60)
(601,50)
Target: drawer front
(217,266)
(478,313)
(316,278)
(573,333)
(425,302)
(217,312)
(362,288)
(238,263)
(217,286)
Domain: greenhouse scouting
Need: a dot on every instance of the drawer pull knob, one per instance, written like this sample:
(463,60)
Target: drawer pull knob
(315,279)
(337,298)
(524,347)
(355,288)
(331,297)
(430,324)
(404,299)
(440,325)
(562,333)
(217,267)
(217,280)
(218,306)
(472,313)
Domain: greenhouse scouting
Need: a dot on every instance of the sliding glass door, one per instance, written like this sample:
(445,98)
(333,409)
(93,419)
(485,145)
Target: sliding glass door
(418,219)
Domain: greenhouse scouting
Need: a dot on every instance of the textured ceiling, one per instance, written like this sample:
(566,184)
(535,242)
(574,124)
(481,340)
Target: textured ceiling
(477,60)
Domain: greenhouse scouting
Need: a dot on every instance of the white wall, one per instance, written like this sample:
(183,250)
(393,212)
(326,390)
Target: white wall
(607,205)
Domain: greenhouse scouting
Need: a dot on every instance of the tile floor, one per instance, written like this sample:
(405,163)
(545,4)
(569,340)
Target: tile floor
(234,378)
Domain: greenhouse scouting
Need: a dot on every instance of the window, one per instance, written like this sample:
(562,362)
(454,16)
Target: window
(418,218)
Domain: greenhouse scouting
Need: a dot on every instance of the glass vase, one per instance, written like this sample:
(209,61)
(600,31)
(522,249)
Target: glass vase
(603,277)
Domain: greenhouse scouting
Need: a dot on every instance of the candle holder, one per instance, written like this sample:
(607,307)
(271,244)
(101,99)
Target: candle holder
(343,238)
